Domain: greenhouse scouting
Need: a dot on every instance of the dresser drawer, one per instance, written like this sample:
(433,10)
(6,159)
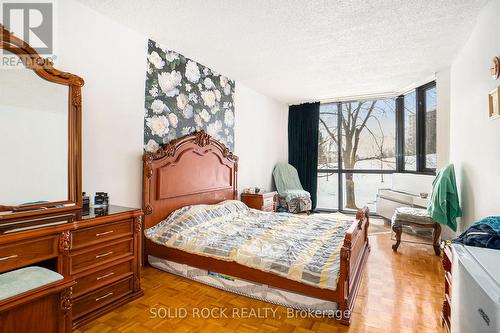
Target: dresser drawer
(27,252)
(101,297)
(102,233)
(83,260)
(102,277)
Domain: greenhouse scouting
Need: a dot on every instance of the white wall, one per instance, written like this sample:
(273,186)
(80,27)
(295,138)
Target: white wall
(475,139)
(443,118)
(443,130)
(112,60)
(261,137)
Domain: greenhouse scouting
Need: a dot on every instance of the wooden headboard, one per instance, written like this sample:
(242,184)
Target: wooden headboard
(195,169)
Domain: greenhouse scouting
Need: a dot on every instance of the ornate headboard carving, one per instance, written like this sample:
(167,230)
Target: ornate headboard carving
(195,169)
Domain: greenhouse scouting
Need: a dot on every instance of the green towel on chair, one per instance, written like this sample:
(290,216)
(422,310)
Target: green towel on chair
(444,206)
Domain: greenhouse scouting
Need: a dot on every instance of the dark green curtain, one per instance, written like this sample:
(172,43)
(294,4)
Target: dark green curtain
(303,136)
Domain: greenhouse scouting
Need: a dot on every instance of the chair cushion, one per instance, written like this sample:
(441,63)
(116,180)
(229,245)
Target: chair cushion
(25,279)
(412,215)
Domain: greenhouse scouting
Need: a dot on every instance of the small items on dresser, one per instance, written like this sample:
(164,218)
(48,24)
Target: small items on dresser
(85,202)
(265,201)
(252,190)
(101,199)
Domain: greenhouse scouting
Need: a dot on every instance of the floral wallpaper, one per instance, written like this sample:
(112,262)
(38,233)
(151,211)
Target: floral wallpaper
(182,97)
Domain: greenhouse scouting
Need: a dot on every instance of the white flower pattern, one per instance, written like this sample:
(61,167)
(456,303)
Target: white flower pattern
(229,118)
(208,98)
(182,101)
(151,146)
(208,83)
(172,118)
(192,71)
(169,81)
(155,59)
(157,106)
(205,115)
(158,125)
(183,96)
(188,112)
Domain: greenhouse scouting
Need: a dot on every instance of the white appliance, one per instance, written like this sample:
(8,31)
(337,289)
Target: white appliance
(475,290)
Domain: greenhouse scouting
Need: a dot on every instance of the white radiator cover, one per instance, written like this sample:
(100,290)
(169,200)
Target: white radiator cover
(405,192)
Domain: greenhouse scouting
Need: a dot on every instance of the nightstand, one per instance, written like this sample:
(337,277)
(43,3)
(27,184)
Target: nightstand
(266,201)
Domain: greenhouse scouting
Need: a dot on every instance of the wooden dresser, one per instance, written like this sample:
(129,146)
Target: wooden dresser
(266,201)
(99,251)
(41,217)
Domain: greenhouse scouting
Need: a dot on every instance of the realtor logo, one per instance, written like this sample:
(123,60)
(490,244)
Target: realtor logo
(31,22)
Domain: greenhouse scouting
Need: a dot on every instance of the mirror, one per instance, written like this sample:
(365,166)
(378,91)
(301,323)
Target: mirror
(40,133)
(33,138)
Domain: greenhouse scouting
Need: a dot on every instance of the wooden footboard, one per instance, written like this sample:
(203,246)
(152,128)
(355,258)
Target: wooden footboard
(353,257)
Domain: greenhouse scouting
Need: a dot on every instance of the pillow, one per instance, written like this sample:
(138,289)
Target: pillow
(197,212)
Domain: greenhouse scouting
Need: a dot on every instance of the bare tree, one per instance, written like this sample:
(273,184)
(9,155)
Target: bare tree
(355,116)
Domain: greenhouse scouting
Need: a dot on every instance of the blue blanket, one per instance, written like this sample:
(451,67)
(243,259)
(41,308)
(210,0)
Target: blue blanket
(483,233)
(492,221)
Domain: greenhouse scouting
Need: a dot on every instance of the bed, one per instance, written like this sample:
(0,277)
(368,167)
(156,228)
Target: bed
(195,177)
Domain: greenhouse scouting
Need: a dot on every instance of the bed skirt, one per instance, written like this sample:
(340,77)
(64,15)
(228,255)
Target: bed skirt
(246,288)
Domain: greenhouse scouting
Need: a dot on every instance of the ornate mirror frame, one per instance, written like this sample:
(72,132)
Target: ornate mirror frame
(45,70)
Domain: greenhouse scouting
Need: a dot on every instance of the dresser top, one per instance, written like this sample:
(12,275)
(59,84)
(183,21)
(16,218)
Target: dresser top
(59,220)
(106,211)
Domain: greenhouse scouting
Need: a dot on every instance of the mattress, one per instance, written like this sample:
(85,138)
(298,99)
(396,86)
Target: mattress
(247,288)
(298,247)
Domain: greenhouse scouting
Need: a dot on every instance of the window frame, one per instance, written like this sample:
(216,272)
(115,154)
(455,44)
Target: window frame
(421,137)
(399,144)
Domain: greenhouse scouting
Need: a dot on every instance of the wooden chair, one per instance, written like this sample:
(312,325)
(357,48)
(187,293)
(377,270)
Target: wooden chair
(408,216)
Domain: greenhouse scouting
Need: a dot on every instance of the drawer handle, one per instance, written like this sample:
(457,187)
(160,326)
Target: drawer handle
(104,233)
(103,255)
(105,276)
(9,257)
(103,297)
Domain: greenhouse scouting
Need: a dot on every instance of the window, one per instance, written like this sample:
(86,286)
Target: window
(357,152)
(360,189)
(328,143)
(410,131)
(361,143)
(368,135)
(419,135)
(328,157)
(430,128)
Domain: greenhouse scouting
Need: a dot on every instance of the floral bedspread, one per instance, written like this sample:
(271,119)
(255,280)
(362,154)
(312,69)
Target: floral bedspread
(298,247)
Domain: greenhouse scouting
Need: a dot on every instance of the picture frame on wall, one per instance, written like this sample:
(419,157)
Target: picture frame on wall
(494,101)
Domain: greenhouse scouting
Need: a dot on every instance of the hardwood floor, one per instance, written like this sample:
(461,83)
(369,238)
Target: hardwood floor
(400,292)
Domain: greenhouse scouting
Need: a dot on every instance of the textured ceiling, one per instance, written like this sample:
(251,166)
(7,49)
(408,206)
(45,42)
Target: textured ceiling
(307,50)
